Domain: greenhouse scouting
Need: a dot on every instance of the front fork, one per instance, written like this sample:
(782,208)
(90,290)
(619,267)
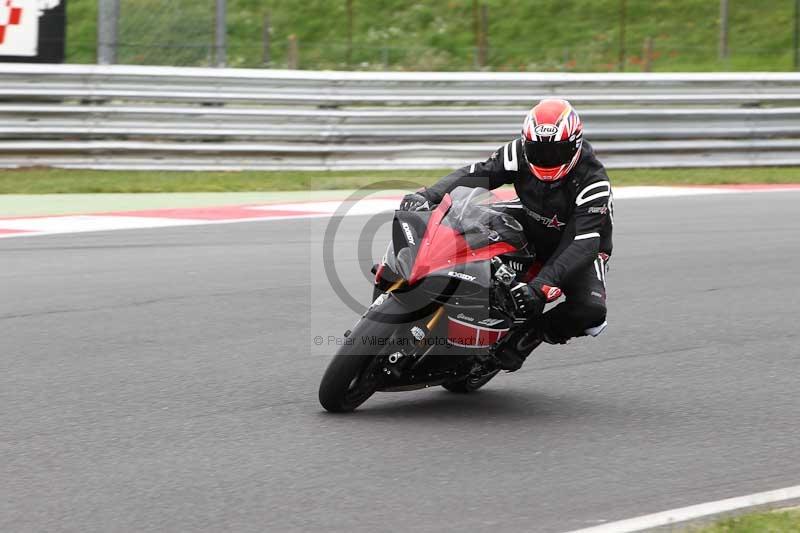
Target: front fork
(412,355)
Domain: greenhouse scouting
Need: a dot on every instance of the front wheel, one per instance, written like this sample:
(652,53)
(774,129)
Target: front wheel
(470,383)
(345,384)
(352,375)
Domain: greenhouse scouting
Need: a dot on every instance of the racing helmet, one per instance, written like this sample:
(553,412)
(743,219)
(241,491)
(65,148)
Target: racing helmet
(552,135)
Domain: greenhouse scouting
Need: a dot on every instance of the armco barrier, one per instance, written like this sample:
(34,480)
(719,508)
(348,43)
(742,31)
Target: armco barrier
(87,116)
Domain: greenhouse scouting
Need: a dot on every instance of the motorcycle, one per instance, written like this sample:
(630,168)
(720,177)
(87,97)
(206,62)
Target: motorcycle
(441,303)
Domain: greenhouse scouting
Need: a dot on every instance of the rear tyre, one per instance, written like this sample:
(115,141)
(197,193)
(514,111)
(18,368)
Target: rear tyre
(469,384)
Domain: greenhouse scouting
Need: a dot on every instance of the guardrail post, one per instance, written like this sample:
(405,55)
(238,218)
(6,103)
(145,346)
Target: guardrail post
(797,34)
(723,29)
(292,59)
(107,31)
(349,52)
(647,54)
(220,33)
(622,21)
(267,39)
(483,36)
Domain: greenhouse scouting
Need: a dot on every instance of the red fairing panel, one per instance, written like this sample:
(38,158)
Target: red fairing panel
(443,247)
(469,336)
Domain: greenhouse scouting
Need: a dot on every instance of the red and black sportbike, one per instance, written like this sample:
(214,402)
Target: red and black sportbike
(441,303)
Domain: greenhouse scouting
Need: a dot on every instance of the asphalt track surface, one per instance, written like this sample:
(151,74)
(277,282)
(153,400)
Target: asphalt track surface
(165,380)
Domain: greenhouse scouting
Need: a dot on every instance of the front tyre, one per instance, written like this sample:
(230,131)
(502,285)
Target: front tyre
(352,375)
(345,384)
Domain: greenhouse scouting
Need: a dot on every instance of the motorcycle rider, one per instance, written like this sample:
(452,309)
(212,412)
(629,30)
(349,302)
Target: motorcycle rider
(565,205)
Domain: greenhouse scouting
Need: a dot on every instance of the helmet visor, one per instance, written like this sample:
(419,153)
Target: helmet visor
(550,154)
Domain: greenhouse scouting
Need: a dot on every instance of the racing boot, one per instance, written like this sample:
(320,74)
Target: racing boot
(513,349)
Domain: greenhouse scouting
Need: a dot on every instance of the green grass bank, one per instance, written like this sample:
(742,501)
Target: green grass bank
(783,521)
(60,181)
(550,35)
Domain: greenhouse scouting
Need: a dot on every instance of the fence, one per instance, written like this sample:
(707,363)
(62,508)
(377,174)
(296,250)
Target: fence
(193,118)
(428,35)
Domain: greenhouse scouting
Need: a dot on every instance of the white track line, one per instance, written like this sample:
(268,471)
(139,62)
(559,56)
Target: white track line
(66,224)
(177,222)
(682,514)
(84,223)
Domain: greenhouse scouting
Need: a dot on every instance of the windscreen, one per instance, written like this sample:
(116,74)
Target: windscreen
(473,216)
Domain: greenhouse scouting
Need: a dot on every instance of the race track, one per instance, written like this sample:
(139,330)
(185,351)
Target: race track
(165,380)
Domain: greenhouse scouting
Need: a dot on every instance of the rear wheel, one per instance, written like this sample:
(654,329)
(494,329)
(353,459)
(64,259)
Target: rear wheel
(470,383)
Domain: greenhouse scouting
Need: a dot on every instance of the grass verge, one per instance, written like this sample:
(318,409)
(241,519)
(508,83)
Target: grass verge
(439,35)
(59,181)
(787,521)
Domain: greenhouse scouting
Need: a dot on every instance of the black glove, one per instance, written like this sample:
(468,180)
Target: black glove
(530,299)
(416,201)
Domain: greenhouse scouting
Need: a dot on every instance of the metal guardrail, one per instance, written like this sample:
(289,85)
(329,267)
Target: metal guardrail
(189,118)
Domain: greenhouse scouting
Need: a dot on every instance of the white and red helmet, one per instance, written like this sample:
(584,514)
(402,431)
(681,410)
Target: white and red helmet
(552,135)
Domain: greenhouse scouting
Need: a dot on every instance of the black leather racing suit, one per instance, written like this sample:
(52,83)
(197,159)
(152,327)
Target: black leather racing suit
(569,224)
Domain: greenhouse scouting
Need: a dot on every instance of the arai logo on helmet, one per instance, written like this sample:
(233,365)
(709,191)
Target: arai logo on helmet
(545,130)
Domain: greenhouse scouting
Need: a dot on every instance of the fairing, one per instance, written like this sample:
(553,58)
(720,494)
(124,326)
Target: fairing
(463,229)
